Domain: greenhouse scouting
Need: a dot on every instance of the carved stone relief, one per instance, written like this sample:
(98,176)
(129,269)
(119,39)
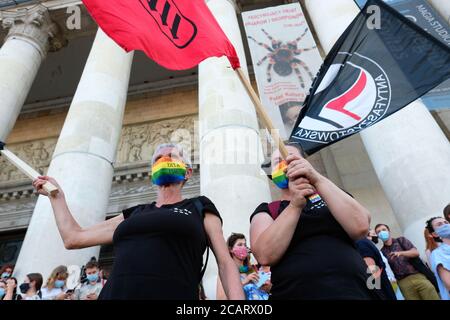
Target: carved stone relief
(36,153)
(131,181)
(138,142)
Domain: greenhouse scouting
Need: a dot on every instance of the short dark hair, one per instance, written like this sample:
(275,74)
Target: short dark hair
(429,224)
(382,224)
(447,212)
(91,264)
(233,238)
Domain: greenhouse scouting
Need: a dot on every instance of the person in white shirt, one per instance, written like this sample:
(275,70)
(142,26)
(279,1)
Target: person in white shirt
(92,288)
(55,288)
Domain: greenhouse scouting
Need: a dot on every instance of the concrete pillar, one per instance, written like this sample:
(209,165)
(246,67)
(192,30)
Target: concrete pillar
(230,149)
(409,152)
(21,55)
(83,159)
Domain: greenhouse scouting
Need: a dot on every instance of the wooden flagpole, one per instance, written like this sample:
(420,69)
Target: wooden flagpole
(28,171)
(262,113)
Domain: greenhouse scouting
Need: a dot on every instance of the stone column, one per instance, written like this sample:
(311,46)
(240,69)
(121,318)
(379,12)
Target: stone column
(230,149)
(31,34)
(83,159)
(409,152)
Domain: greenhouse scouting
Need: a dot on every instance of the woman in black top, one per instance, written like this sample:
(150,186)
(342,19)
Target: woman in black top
(159,246)
(310,243)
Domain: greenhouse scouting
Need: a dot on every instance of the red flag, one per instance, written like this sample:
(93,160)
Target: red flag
(177,34)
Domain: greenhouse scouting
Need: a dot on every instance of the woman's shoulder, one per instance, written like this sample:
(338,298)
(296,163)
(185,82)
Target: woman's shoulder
(264,207)
(132,210)
(207,206)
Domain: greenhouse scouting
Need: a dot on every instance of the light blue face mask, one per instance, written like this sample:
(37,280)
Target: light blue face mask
(443,231)
(2,292)
(6,275)
(92,277)
(383,235)
(59,283)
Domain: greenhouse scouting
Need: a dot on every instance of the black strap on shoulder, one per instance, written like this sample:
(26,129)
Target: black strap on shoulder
(199,206)
(2,145)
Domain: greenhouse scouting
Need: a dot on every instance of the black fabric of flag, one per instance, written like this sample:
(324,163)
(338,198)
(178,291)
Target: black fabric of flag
(368,75)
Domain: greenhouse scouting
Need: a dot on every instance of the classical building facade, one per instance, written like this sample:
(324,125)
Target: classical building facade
(75,105)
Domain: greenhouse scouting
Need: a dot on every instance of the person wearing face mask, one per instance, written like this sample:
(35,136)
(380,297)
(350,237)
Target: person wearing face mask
(409,270)
(158,246)
(2,289)
(308,236)
(11,290)
(440,257)
(237,245)
(6,271)
(90,290)
(55,288)
(376,266)
(30,288)
(431,243)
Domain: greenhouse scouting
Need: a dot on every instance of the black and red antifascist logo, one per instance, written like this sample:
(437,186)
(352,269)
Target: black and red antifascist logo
(180,30)
(352,95)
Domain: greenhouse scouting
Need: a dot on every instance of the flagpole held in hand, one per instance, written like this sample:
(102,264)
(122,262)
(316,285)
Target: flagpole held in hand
(26,169)
(262,113)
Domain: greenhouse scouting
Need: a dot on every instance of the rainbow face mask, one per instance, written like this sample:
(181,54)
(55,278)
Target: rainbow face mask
(167,171)
(279,176)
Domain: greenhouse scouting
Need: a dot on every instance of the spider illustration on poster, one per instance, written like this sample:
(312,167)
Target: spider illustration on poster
(283,57)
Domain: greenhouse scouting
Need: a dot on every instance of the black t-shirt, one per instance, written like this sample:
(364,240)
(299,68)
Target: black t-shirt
(368,250)
(321,261)
(159,252)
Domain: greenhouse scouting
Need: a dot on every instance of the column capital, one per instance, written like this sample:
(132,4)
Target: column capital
(35,26)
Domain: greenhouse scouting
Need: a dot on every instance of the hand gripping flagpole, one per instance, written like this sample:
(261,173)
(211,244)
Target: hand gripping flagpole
(26,169)
(262,113)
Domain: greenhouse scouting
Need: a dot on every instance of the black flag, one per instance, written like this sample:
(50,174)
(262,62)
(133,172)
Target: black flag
(375,68)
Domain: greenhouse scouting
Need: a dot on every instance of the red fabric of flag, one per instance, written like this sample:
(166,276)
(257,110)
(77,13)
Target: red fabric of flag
(177,34)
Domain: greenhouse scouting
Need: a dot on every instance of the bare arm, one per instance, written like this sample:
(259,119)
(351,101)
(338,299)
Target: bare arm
(220,293)
(72,234)
(411,253)
(270,239)
(10,285)
(444,274)
(351,215)
(228,272)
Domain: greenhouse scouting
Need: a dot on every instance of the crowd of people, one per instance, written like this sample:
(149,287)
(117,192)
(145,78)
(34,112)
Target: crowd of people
(89,284)
(315,242)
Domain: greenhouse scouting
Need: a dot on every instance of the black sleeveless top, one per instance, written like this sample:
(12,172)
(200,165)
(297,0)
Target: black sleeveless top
(159,252)
(321,261)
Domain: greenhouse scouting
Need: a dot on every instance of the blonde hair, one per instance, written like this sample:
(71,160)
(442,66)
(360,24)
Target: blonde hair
(54,275)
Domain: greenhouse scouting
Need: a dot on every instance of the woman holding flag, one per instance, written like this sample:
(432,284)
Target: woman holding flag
(307,237)
(159,246)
